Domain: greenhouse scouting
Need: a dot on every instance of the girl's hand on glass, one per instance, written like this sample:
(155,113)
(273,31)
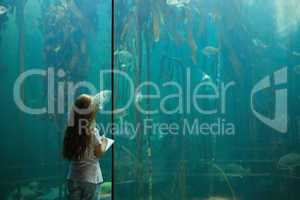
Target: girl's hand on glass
(100,149)
(103,144)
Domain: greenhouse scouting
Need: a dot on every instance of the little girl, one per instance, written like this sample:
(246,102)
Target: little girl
(83,147)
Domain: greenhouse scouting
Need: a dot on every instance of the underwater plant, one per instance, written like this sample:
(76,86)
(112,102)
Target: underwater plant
(141,25)
(65,44)
(289,162)
(161,17)
(66,26)
(226,180)
(7,9)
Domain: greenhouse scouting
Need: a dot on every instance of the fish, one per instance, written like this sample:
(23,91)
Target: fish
(258,43)
(100,99)
(3,10)
(214,16)
(125,58)
(28,191)
(205,77)
(123,66)
(210,51)
(139,97)
(236,170)
(295,53)
(289,161)
(297,69)
(178,3)
(57,49)
(34,184)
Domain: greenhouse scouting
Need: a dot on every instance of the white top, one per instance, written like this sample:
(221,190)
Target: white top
(87,169)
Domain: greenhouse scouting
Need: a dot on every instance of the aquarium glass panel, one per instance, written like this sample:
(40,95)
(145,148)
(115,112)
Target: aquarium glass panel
(207,99)
(50,52)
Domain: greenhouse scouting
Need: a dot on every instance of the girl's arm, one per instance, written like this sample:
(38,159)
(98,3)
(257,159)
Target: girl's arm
(100,148)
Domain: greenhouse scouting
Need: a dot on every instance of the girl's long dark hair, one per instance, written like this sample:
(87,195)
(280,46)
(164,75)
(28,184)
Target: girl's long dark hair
(77,137)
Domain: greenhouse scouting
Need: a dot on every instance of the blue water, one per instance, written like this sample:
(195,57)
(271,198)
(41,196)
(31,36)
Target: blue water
(224,77)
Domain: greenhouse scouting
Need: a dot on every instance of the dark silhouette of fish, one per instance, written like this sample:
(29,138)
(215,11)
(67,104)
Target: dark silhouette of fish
(289,161)
(3,10)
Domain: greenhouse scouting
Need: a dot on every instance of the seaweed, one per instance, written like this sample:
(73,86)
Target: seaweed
(65,40)
(11,6)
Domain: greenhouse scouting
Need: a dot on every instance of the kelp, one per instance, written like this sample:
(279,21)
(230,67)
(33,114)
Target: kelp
(193,46)
(156,26)
(146,23)
(65,30)
(11,6)
(181,17)
(140,29)
(20,6)
(135,38)
(65,40)
(163,17)
(128,25)
(86,25)
(3,20)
